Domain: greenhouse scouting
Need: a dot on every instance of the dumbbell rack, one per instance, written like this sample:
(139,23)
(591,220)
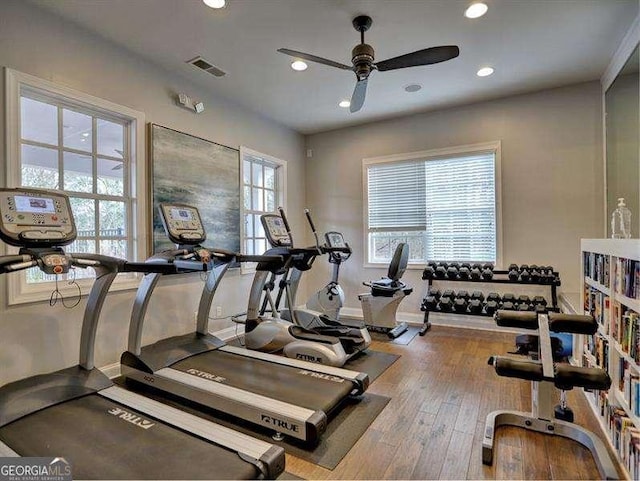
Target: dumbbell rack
(499,277)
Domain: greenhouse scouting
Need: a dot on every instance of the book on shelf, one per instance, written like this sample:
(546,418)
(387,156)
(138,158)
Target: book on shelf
(596,266)
(627,277)
(625,437)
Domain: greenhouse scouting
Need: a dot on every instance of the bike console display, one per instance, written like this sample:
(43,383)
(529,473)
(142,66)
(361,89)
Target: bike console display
(182,223)
(35,218)
(276,230)
(335,240)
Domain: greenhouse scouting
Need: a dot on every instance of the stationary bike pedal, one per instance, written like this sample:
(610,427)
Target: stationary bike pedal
(563,413)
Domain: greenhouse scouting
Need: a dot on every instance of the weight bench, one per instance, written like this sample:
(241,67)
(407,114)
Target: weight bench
(545,376)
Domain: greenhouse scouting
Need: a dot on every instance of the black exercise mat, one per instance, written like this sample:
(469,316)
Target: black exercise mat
(404,339)
(345,426)
(374,363)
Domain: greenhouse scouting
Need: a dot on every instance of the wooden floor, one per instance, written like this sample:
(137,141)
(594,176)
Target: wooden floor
(441,390)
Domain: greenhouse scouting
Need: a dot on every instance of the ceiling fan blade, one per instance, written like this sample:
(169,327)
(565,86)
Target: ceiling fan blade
(421,57)
(359,94)
(313,58)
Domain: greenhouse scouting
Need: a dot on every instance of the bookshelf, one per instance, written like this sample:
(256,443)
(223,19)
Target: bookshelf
(611,293)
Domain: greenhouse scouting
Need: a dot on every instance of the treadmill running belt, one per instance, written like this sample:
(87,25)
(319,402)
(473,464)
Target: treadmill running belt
(103,439)
(284,383)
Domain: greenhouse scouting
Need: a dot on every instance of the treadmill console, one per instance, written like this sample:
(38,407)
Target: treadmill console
(35,218)
(182,223)
(335,240)
(276,230)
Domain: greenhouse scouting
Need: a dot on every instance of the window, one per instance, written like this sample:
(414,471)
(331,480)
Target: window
(263,191)
(64,140)
(444,204)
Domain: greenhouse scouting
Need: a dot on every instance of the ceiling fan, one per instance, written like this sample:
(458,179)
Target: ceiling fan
(363,60)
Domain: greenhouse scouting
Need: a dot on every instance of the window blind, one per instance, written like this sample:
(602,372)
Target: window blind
(397,196)
(452,200)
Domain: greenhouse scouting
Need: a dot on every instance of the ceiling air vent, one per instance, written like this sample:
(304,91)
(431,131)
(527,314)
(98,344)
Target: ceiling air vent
(207,66)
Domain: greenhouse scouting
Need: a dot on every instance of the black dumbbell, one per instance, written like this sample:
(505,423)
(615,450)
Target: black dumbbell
(476,265)
(539,300)
(523,267)
(429,303)
(460,304)
(525,275)
(487,273)
(477,295)
(508,306)
(428,273)
(490,307)
(533,267)
(475,274)
(475,306)
(535,275)
(493,296)
(513,267)
(513,274)
(488,265)
(464,273)
(508,297)
(448,293)
(524,306)
(441,272)
(454,264)
(452,272)
(463,294)
(435,292)
(524,298)
(445,304)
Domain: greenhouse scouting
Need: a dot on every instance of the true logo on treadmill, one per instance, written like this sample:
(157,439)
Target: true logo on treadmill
(319,375)
(279,423)
(206,375)
(308,357)
(131,418)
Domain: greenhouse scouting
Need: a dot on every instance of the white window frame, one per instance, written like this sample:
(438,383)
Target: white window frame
(434,154)
(281,193)
(18,291)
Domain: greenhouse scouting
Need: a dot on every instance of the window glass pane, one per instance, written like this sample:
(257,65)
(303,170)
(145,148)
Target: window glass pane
(269,177)
(248,225)
(256,203)
(39,167)
(110,177)
(110,138)
(84,213)
(112,219)
(82,246)
(76,130)
(246,172)
(257,175)
(247,197)
(39,121)
(259,230)
(248,247)
(78,172)
(261,246)
(270,200)
(114,248)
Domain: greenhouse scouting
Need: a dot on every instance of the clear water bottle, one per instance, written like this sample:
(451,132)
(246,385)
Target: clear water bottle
(621,221)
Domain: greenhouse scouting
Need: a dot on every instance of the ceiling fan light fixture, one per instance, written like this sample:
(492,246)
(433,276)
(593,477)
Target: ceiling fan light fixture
(299,66)
(484,72)
(215,3)
(476,10)
(345,104)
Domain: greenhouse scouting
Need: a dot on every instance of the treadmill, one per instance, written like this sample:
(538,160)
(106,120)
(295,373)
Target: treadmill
(104,431)
(284,396)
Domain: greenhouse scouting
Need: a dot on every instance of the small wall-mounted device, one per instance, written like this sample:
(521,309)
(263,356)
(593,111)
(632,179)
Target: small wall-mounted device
(188,103)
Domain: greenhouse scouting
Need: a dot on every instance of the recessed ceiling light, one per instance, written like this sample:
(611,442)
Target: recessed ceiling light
(412,88)
(484,72)
(476,10)
(85,134)
(215,3)
(299,65)
(344,104)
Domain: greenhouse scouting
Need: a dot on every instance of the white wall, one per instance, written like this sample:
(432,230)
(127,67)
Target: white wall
(552,186)
(37,338)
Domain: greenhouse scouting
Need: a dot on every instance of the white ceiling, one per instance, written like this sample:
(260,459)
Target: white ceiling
(532,45)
